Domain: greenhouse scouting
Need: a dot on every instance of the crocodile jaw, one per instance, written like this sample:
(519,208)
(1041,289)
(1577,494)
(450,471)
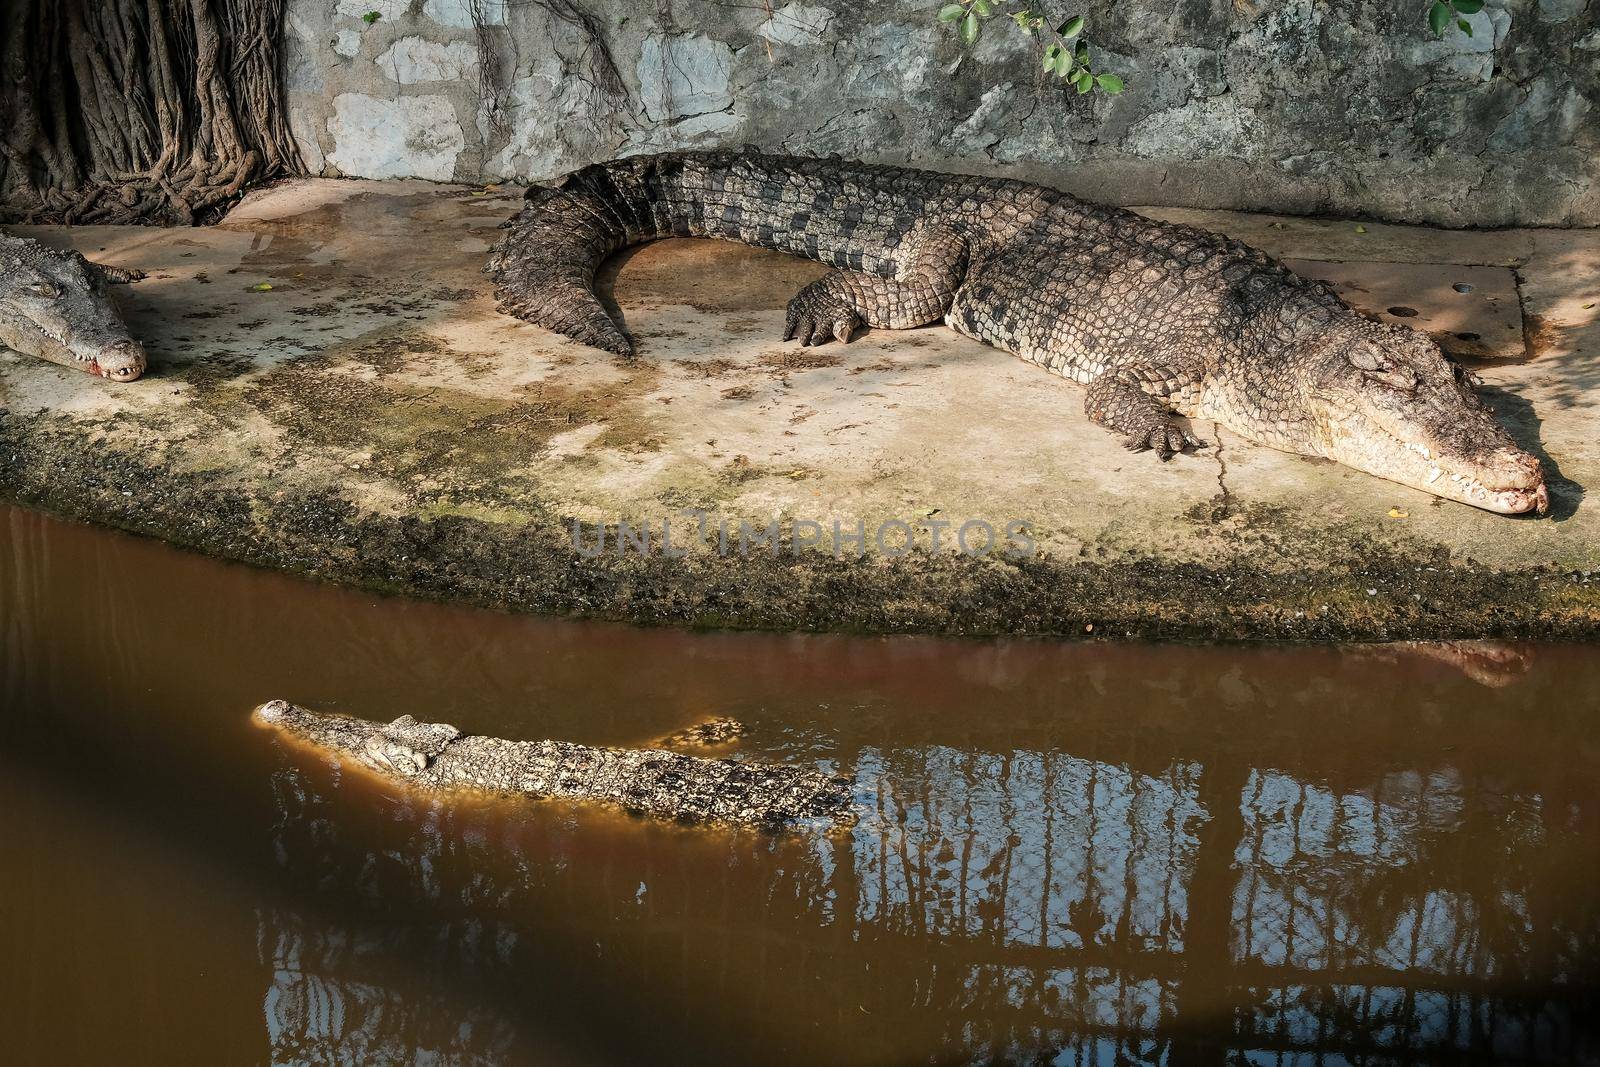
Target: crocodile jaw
(55,305)
(340,735)
(402,749)
(1502,478)
(1384,399)
(117,359)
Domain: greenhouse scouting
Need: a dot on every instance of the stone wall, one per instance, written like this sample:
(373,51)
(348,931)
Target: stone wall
(1342,106)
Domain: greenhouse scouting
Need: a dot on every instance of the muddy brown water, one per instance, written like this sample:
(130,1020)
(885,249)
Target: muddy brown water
(1068,853)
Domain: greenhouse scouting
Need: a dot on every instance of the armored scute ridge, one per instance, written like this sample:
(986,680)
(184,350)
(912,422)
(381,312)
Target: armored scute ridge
(438,758)
(1158,320)
(54,305)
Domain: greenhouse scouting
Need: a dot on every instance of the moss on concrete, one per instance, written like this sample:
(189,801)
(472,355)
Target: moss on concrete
(1370,591)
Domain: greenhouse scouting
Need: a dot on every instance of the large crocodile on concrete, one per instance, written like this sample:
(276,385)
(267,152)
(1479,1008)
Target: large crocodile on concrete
(54,305)
(436,757)
(1158,320)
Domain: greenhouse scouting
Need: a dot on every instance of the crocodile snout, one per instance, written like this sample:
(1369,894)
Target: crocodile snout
(1510,481)
(271,713)
(123,361)
(1511,468)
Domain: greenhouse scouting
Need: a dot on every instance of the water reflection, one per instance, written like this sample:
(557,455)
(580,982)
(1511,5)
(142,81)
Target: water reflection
(332,998)
(1081,909)
(1077,854)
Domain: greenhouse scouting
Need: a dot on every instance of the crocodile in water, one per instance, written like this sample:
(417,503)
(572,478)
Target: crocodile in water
(438,758)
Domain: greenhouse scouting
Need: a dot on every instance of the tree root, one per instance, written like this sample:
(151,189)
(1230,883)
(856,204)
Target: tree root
(139,111)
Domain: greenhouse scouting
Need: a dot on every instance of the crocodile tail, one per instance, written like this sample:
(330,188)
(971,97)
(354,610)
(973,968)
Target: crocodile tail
(545,264)
(847,215)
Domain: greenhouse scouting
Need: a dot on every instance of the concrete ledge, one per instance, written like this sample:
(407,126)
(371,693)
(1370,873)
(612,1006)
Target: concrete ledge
(370,419)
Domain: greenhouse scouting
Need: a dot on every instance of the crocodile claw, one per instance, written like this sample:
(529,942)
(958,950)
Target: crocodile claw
(817,315)
(1167,440)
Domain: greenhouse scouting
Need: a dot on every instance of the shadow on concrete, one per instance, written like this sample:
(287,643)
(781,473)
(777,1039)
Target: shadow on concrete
(1518,416)
(1565,348)
(605,287)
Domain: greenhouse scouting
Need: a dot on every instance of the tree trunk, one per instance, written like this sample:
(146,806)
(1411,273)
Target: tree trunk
(147,111)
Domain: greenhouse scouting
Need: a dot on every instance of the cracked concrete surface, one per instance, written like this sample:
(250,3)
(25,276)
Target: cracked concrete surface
(332,392)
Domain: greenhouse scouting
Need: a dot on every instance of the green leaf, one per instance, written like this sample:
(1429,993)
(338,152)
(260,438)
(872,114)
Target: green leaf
(970,28)
(1467,7)
(371,16)
(1084,81)
(1464,26)
(1072,27)
(951,12)
(1438,17)
(983,8)
(1064,63)
(1082,52)
(1110,83)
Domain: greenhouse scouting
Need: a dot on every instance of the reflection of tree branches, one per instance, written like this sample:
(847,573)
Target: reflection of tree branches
(1057,838)
(1496,901)
(1457,881)
(331,999)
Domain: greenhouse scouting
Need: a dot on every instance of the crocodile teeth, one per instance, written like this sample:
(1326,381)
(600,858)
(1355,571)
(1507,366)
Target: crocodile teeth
(1433,474)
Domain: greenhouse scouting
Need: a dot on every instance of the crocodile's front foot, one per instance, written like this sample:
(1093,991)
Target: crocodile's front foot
(120,275)
(818,313)
(1166,437)
(1118,401)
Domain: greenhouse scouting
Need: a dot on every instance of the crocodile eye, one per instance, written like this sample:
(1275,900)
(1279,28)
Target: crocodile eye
(48,290)
(1362,359)
(1401,378)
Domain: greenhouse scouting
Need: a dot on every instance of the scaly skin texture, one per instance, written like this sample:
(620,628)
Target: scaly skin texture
(438,758)
(54,305)
(709,734)
(1157,320)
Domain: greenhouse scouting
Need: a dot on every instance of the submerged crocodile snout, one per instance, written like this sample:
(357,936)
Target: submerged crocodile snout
(271,713)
